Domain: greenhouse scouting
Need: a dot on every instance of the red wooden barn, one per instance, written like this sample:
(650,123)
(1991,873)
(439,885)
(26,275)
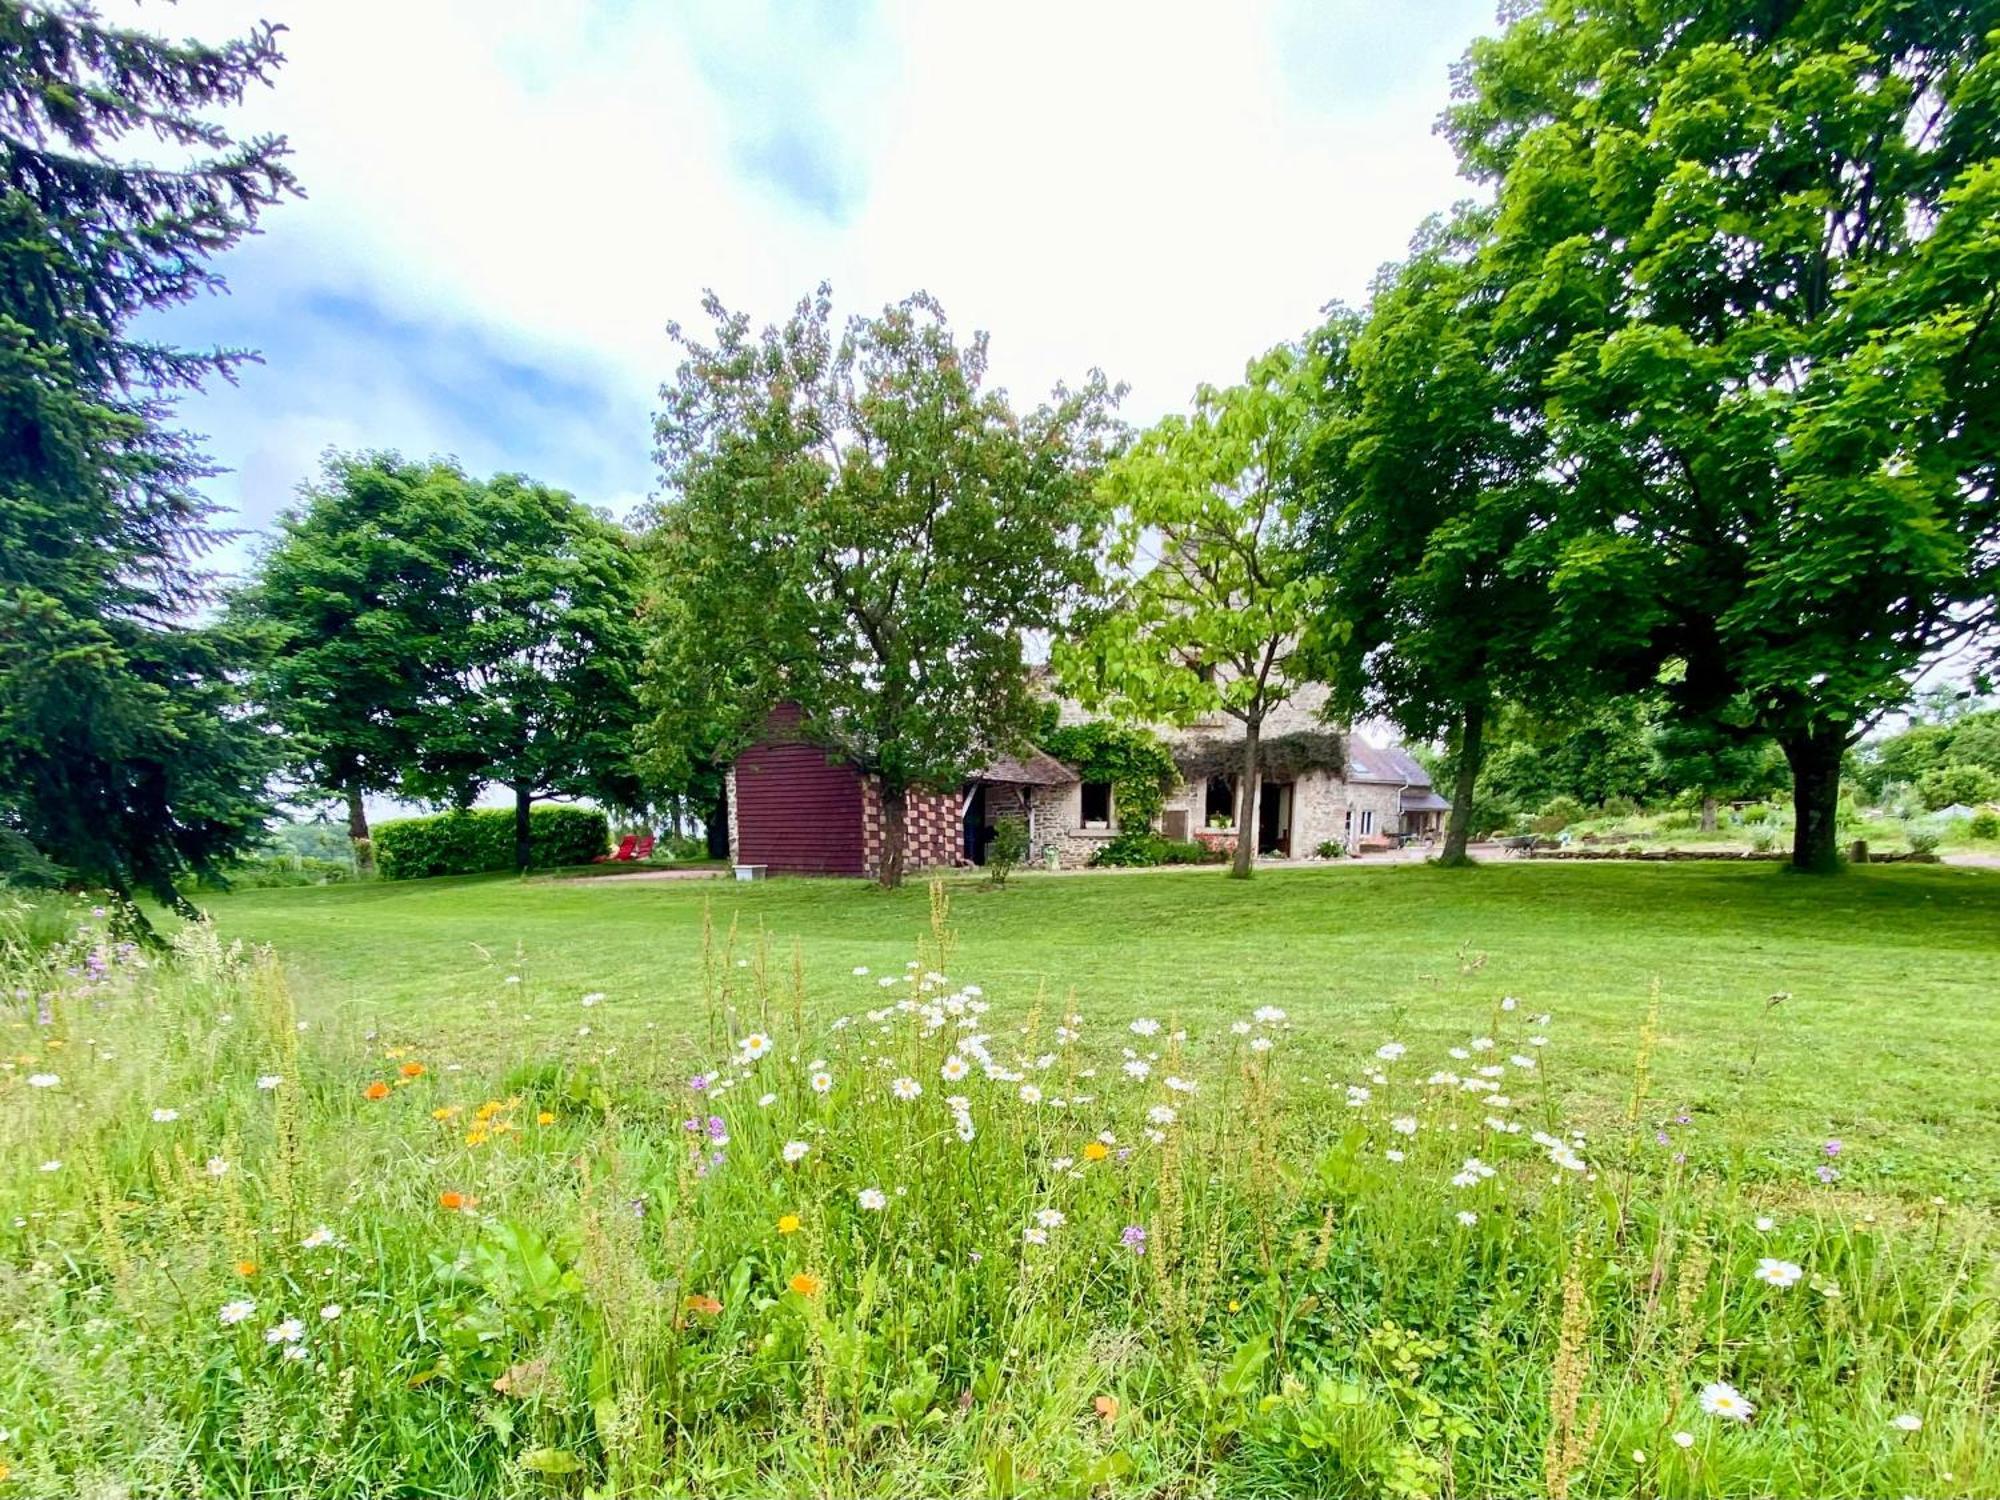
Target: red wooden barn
(800,810)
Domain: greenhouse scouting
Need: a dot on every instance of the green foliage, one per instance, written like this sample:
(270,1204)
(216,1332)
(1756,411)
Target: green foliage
(1557,814)
(274,868)
(1923,837)
(1984,825)
(1957,782)
(1134,847)
(1135,761)
(1211,602)
(1750,253)
(852,521)
(1331,849)
(482,840)
(124,757)
(1007,848)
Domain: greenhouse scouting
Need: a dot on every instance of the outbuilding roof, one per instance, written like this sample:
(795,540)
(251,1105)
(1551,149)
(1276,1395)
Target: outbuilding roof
(1036,768)
(1392,764)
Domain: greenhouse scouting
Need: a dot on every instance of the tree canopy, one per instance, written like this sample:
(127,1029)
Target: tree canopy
(1209,602)
(124,757)
(1758,249)
(852,521)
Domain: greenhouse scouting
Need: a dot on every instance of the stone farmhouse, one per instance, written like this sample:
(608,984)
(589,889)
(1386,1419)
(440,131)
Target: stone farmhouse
(796,809)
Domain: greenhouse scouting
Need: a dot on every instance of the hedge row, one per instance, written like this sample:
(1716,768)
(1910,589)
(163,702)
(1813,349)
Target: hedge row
(473,843)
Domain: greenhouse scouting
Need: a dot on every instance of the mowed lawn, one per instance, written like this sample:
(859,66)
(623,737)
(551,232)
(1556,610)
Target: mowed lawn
(1886,1037)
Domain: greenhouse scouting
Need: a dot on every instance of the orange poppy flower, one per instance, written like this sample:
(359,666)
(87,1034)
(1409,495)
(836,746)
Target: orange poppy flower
(246,1268)
(412,1070)
(376,1090)
(804,1285)
(1096,1151)
(704,1304)
(451,1201)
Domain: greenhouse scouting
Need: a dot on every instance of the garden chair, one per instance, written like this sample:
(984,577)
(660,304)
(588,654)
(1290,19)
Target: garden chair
(644,849)
(624,850)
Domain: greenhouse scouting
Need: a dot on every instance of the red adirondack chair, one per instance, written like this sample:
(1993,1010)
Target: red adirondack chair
(625,846)
(644,848)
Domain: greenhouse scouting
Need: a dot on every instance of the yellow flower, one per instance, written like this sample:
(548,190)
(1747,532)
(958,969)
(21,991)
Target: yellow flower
(489,1109)
(246,1268)
(788,1224)
(804,1285)
(475,1138)
(444,1111)
(545,1118)
(1096,1151)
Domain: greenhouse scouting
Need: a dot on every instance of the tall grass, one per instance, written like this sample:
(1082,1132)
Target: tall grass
(928,1241)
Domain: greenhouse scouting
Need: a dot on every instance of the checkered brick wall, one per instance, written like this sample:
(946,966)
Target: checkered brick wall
(934,838)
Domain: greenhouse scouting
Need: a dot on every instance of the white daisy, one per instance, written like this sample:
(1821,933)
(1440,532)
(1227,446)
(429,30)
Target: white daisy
(52,1165)
(288,1332)
(822,1082)
(1390,1051)
(1161,1114)
(765,1101)
(235,1312)
(218,1166)
(329,1312)
(268,1081)
(906,1088)
(1683,1440)
(1721,1399)
(954,1068)
(1034,1236)
(1466,1217)
(1774,1272)
(755,1046)
(1270,1015)
(795,1152)
(872,1199)
(44,1080)
(1145,1026)
(1030,1094)
(1907,1421)
(1404,1124)
(1765,1223)
(1051,1218)
(165,1116)
(1260,1044)
(593,998)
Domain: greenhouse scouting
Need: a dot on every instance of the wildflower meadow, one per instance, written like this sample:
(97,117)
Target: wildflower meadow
(919,1237)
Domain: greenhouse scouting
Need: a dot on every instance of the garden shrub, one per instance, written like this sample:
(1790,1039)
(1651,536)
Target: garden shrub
(1558,813)
(1130,850)
(1956,782)
(1007,848)
(482,841)
(1331,849)
(1984,825)
(1924,838)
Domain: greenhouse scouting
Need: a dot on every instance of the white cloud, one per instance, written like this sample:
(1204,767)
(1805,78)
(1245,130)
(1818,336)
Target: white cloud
(1161,190)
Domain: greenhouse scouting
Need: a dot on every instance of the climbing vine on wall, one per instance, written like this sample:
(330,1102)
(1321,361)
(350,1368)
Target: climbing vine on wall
(1138,765)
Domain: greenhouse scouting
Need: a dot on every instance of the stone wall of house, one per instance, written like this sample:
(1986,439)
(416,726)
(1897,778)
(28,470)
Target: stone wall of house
(933,832)
(1384,800)
(1058,825)
(1320,801)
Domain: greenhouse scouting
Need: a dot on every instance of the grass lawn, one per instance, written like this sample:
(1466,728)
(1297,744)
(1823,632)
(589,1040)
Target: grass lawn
(1883,1040)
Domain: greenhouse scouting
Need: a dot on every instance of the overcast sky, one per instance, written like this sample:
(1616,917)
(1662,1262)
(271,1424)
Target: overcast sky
(510,199)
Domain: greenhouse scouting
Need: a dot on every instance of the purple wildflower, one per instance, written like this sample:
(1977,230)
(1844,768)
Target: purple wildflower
(698,1082)
(1832,1148)
(1827,1174)
(1134,1238)
(718,1128)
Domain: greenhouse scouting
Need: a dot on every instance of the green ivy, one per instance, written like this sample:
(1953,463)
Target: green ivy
(1138,765)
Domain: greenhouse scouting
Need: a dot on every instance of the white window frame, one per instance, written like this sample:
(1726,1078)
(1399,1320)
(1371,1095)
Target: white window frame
(1367,821)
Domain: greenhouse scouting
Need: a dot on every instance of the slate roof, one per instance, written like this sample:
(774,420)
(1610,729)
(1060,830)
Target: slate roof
(1393,765)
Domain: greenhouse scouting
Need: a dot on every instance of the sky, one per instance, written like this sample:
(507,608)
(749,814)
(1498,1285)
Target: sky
(508,201)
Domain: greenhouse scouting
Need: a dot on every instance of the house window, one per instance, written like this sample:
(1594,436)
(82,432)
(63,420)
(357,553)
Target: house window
(1367,821)
(1219,804)
(1097,804)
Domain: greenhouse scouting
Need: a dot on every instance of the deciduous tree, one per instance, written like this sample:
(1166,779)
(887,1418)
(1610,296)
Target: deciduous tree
(1759,245)
(852,520)
(1210,600)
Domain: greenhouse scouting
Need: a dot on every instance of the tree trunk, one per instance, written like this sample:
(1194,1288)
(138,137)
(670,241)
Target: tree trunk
(1471,746)
(1708,814)
(895,828)
(357,832)
(1246,812)
(1815,761)
(523,845)
(718,824)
